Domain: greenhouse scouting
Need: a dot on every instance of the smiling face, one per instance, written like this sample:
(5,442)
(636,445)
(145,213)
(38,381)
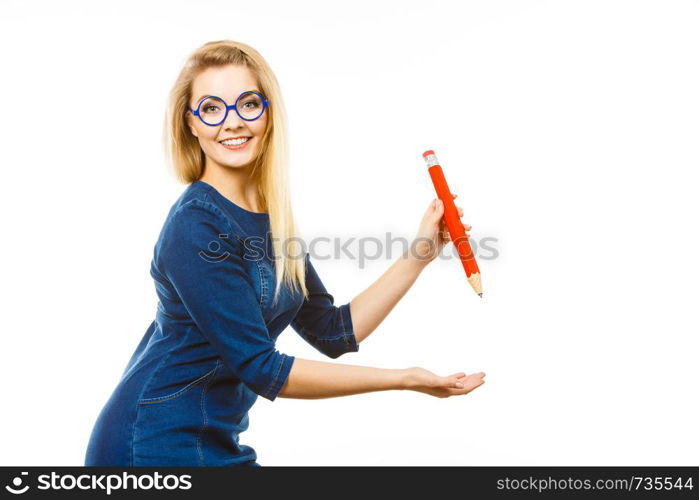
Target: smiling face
(227,82)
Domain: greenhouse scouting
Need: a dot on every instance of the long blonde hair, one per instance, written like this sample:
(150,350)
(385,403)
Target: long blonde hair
(270,168)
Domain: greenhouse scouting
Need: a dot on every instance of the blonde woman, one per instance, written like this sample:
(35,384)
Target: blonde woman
(230,275)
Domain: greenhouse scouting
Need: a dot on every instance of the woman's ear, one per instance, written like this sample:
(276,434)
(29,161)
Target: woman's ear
(191,125)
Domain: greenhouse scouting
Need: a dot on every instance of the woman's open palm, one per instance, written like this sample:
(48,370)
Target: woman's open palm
(425,381)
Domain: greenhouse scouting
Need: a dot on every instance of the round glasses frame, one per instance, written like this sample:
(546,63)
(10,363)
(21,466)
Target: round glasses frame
(265,105)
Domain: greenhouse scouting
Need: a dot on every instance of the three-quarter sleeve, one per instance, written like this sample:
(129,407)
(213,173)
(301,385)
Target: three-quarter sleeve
(202,258)
(322,324)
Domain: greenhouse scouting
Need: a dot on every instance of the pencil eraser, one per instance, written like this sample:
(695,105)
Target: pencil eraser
(430,158)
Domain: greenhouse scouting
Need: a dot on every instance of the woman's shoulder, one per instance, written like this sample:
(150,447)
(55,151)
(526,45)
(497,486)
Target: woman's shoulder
(196,229)
(196,212)
(195,200)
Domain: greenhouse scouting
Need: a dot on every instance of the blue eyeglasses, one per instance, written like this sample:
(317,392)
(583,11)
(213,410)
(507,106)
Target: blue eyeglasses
(213,110)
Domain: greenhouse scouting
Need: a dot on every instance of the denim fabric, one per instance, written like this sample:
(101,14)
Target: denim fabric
(184,396)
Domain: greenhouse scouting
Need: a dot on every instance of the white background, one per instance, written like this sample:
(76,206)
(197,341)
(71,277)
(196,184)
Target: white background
(568,129)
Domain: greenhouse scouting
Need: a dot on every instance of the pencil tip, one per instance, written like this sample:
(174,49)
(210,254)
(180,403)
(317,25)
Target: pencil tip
(480,295)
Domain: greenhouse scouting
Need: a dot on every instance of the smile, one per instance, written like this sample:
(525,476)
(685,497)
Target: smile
(236,144)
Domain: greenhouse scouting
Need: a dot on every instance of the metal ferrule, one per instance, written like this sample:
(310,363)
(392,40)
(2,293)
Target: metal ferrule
(431,160)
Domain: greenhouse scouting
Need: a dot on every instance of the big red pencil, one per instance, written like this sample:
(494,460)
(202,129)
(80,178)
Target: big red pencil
(457,231)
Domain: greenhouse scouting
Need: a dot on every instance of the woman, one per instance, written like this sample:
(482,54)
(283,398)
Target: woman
(184,396)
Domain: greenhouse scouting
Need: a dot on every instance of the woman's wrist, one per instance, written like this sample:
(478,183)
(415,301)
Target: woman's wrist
(404,379)
(417,259)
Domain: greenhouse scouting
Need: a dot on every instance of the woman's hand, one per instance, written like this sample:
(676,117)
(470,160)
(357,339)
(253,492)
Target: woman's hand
(433,233)
(421,380)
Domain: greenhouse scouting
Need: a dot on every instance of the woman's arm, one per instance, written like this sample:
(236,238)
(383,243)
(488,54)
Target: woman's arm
(369,308)
(309,379)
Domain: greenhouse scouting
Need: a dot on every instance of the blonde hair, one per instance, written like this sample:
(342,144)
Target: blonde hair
(270,168)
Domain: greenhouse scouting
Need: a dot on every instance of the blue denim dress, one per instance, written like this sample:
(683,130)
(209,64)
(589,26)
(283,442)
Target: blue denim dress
(184,396)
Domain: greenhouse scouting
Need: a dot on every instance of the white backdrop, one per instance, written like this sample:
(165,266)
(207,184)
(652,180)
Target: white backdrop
(568,129)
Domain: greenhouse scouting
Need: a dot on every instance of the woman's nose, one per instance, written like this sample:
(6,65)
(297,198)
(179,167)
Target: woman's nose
(233,120)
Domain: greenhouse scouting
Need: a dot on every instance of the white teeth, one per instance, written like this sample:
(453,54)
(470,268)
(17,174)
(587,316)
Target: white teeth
(235,142)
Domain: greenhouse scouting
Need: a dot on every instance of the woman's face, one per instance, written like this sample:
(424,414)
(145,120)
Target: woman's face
(227,82)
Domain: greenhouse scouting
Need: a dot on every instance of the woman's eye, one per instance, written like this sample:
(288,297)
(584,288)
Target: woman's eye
(208,108)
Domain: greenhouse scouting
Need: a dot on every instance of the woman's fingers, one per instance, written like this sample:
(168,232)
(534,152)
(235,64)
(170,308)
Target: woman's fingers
(438,208)
(460,383)
(432,207)
(461,214)
(459,210)
(456,380)
(452,381)
(436,211)
(472,381)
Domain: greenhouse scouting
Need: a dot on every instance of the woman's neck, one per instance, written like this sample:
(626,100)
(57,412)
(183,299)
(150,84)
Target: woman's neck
(235,184)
